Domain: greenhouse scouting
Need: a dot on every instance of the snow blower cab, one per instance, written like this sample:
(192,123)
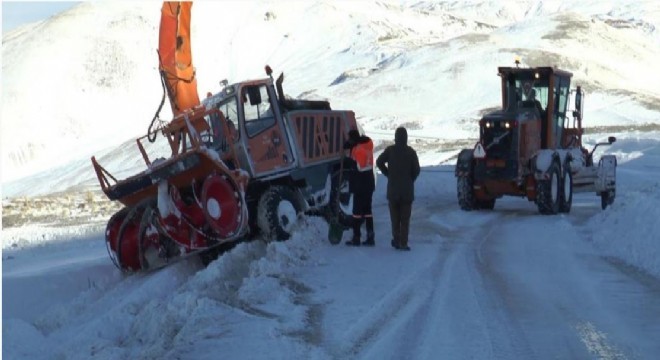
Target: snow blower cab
(244,163)
(533,148)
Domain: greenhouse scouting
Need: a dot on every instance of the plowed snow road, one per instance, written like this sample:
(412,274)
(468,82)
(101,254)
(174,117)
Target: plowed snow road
(507,284)
(502,284)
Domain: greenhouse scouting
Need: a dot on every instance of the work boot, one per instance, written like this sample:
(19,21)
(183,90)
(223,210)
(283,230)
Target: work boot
(370,239)
(356,233)
(404,248)
(394,244)
(355,241)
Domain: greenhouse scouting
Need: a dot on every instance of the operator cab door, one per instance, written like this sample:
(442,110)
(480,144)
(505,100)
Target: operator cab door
(267,146)
(560,97)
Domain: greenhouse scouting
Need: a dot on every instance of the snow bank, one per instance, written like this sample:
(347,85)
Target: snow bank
(184,310)
(630,229)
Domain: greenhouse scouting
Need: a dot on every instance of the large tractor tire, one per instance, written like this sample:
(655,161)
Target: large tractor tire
(340,205)
(465,181)
(566,189)
(466,199)
(548,191)
(465,191)
(277,212)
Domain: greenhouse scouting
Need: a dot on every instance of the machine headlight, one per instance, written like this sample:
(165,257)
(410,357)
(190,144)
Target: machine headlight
(507,124)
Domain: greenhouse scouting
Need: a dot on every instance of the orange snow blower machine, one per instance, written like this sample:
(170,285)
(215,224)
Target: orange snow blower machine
(244,161)
(531,148)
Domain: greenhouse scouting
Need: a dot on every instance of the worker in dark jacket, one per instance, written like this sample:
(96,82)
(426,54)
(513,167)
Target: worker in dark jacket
(361,184)
(399,163)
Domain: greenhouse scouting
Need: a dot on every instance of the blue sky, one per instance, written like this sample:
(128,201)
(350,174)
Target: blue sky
(16,13)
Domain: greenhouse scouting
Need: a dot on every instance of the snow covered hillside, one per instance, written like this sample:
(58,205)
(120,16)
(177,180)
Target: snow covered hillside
(429,65)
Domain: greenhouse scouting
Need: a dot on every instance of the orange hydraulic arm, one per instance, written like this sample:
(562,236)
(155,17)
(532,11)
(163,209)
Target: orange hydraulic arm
(175,54)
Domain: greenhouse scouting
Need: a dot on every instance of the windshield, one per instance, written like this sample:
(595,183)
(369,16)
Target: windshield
(229,108)
(527,90)
(221,135)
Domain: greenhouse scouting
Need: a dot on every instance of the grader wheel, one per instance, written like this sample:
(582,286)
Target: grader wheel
(566,196)
(548,191)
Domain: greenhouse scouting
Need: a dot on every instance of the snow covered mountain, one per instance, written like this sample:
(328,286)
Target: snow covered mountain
(85,81)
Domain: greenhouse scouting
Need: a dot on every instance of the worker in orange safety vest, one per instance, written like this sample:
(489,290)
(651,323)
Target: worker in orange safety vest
(362,184)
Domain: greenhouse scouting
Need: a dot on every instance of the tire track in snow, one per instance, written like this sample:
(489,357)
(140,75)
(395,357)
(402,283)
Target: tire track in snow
(506,337)
(312,333)
(449,322)
(403,302)
(565,300)
(463,319)
(434,310)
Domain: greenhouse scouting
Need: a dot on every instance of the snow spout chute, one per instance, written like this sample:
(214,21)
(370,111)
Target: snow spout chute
(175,54)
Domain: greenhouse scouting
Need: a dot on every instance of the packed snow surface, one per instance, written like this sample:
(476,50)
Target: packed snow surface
(507,283)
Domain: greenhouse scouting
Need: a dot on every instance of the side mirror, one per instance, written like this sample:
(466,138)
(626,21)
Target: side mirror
(610,140)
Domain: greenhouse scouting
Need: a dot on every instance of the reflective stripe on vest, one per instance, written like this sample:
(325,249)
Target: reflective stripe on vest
(363,154)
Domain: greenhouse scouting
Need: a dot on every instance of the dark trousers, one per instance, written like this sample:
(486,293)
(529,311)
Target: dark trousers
(400,218)
(362,204)
(362,211)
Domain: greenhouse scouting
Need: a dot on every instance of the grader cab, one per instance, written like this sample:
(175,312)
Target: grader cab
(532,147)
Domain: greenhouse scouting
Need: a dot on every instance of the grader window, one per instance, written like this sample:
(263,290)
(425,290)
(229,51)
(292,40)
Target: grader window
(562,85)
(526,90)
(533,92)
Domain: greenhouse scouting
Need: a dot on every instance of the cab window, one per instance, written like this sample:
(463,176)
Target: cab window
(561,90)
(528,90)
(216,136)
(257,109)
